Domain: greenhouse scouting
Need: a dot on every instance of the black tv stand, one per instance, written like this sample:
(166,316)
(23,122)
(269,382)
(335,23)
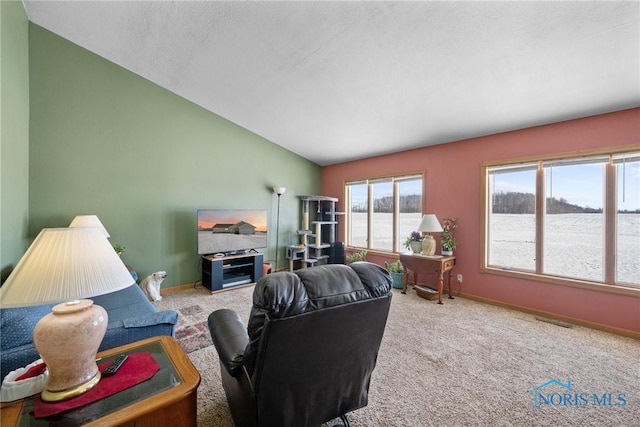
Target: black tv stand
(219,273)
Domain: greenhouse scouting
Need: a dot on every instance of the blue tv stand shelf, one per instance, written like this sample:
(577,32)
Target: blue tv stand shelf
(219,273)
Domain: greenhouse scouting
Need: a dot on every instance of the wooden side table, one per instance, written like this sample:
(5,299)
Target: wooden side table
(428,265)
(169,398)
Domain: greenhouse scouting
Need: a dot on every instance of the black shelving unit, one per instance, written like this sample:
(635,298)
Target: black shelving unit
(220,273)
(319,233)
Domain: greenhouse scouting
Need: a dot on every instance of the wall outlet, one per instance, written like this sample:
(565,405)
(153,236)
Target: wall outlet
(459,278)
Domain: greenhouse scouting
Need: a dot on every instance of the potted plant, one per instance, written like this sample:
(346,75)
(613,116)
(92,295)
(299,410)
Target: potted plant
(395,269)
(118,248)
(414,242)
(357,256)
(447,238)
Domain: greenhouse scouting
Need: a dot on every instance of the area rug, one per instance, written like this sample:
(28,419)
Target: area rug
(192,332)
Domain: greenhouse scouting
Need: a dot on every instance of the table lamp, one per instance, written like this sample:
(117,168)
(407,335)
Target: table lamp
(89,221)
(429,224)
(67,264)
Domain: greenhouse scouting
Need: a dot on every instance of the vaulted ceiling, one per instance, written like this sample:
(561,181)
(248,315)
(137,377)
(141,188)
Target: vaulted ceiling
(338,81)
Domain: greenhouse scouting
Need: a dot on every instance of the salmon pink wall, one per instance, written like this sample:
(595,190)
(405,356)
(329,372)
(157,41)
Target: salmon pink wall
(452,188)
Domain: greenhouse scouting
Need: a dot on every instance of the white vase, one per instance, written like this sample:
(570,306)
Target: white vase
(68,339)
(416,247)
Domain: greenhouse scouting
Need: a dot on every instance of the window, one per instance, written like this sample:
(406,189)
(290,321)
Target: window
(565,218)
(381,215)
(409,208)
(382,212)
(627,217)
(512,217)
(574,218)
(357,222)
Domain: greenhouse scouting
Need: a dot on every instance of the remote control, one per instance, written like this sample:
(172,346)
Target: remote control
(115,365)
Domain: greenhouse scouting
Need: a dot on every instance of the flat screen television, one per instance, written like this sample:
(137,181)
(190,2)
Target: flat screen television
(231,231)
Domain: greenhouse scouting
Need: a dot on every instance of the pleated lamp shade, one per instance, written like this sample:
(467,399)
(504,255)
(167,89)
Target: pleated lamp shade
(89,221)
(63,264)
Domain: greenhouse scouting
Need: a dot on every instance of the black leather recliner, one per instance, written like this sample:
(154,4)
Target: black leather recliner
(310,348)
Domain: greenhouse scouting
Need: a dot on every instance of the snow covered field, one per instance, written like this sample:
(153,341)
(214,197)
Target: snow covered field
(574,246)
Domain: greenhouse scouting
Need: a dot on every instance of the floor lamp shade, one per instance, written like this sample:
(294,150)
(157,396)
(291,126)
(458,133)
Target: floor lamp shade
(65,264)
(89,221)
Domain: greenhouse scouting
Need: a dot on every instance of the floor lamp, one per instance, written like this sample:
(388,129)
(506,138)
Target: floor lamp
(279,191)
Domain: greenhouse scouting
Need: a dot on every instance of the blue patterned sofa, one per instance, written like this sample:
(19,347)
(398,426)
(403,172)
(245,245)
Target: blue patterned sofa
(131,318)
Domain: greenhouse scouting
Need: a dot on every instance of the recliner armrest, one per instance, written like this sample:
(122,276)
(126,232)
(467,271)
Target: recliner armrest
(230,338)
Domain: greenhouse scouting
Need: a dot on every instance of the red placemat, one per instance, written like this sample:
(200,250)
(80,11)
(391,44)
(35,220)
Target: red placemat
(138,367)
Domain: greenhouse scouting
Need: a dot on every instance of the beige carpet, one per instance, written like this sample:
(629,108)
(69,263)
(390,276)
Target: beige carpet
(463,363)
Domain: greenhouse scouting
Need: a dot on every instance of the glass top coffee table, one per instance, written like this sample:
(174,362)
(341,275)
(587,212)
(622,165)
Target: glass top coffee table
(168,398)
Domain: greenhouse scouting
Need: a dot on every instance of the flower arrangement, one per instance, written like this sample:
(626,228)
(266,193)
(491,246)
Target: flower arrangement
(415,236)
(447,238)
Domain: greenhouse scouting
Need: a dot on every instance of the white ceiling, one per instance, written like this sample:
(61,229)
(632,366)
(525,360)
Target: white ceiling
(337,81)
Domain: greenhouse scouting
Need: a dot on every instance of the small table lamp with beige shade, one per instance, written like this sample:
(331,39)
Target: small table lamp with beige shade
(65,265)
(429,224)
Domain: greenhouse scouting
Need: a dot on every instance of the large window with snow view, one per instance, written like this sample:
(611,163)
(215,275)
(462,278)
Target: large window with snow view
(382,212)
(573,218)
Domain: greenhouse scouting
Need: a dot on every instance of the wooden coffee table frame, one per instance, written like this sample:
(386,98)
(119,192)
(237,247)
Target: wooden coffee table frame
(176,406)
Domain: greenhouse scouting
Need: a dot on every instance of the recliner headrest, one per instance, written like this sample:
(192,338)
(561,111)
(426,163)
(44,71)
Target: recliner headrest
(286,294)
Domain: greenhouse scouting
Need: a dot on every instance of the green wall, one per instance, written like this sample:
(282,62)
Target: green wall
(106,141)
(14,134)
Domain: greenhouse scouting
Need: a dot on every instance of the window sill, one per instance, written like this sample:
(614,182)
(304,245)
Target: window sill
(629,290)
(374,252)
